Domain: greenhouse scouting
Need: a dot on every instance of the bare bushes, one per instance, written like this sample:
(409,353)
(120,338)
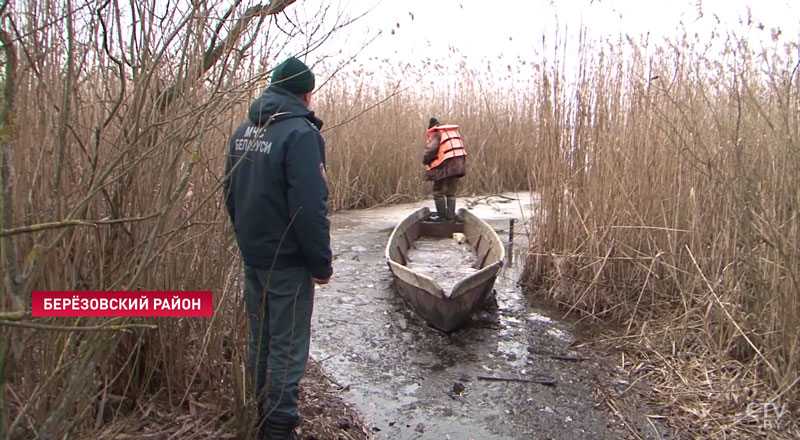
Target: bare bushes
(672,208)
(668,183)
(121,115)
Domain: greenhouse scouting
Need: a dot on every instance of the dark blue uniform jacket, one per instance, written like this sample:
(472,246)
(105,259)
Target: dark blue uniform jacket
(275,189)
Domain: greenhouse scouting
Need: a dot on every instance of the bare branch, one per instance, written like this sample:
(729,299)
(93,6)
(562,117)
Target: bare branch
(64,328)
(14,316)
(70,223)
(213,55)
(116,61)
(221,23)
(10,261)
(65,108)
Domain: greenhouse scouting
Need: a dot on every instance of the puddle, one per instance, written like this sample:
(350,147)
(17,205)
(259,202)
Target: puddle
(411,381)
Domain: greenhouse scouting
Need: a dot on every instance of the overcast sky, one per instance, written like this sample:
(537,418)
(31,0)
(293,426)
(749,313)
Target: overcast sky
(485,27)
(413,30)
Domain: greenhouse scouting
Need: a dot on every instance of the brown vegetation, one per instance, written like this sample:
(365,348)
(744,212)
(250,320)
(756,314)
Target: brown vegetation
(115,123)
(669,205)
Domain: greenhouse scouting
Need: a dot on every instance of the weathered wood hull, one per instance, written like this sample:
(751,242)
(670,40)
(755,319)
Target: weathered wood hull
(445,310)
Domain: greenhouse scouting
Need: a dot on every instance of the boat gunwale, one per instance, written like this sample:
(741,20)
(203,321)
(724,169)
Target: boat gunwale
(457,290)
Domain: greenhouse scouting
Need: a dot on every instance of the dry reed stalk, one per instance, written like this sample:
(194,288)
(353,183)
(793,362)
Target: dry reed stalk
(673,208)
(668,204)
(129,143)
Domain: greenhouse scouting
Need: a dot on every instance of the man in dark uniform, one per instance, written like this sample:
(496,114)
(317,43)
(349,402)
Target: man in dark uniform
(446,161)
(276,196)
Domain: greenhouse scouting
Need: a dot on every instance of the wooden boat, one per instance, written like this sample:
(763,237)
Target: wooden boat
(445,310)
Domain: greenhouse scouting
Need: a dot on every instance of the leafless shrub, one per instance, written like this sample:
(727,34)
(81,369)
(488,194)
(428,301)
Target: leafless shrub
(669,189)
(668,184)
(112,155)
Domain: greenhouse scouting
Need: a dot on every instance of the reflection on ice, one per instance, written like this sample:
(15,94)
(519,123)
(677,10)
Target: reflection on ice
(402,372)
(533,316)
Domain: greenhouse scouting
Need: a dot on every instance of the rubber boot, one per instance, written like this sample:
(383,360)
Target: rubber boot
(261,423)
(441,208)
(280,431)
(276,429)
(451,209)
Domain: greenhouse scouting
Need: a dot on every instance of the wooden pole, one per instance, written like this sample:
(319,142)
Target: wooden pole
(511,240)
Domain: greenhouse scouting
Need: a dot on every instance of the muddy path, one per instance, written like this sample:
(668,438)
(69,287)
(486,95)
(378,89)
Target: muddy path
(411,381)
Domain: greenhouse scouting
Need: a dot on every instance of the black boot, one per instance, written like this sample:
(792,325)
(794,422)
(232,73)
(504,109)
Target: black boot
(280,431)
(451,208)
(261,422)
(441,208)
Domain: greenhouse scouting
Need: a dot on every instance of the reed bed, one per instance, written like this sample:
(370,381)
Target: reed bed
(115,126)
(669,206)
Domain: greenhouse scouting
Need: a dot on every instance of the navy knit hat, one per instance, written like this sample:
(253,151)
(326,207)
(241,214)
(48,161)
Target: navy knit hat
(294,76)
(432,122)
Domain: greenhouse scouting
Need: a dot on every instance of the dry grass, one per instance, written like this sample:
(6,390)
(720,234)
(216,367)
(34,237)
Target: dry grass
(377,158)
(669,206)
(112,182)
(325,416)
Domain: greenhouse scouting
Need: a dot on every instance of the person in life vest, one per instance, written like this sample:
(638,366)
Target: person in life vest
(446,160)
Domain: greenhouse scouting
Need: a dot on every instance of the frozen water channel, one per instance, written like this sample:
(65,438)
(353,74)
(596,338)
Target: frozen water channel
(411,381)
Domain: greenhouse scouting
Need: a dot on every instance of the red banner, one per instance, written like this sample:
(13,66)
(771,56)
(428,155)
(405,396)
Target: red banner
(119,303)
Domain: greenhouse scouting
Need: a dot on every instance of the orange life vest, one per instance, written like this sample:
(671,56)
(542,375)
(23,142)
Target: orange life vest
(450,144)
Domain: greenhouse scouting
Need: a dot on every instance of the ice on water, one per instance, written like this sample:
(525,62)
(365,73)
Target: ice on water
(443,259)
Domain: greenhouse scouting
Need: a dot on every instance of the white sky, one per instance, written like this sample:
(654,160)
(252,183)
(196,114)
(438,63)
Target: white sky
(486,26)
(415,30)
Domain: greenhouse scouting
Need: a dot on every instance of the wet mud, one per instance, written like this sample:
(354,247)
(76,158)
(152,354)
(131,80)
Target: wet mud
(512,372)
